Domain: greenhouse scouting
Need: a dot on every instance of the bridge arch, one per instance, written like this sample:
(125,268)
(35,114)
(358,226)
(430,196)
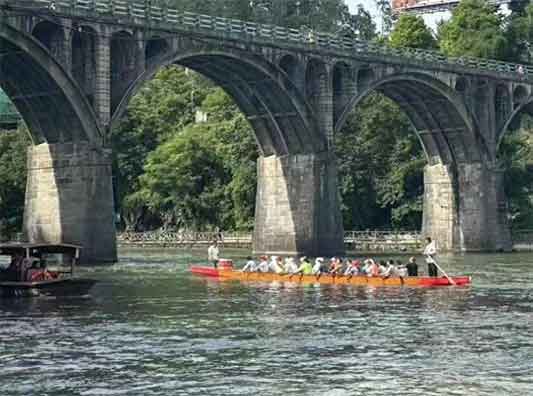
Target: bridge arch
(123,70)
(52,36)
(526,107)
(156,47)
(278,115)
(444,126)
(49,101)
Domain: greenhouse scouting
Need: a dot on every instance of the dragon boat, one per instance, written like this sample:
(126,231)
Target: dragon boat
(226,271)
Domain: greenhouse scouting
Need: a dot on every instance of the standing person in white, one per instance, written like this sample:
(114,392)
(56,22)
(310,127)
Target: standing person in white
(212,253)
(430,252)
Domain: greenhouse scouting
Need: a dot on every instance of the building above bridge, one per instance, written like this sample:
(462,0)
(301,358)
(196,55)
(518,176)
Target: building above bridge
(429,6)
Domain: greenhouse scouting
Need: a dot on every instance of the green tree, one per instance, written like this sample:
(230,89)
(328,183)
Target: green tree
(520,33)
(516,156)
(184,180)
(475,29)
(411,31)
(323,15)
(380,167)
(162,108)
(13,146)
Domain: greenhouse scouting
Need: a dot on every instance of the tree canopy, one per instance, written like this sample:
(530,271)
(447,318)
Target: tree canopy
(475,29)
(411,31)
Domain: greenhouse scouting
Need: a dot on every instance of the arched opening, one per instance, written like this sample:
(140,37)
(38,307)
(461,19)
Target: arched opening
(343,87)
(289,64)
(245,105)
(84,44)
(52,36)
(155,48)
(502,104)
(316,81)
(519,95)
(365,76)
(461,85)
(122,65)
(399,149)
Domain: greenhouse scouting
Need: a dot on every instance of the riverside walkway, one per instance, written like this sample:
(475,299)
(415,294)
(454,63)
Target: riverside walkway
(359,241)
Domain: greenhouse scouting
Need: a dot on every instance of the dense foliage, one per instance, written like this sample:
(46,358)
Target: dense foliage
(184,156)
(13,146)
(475,29)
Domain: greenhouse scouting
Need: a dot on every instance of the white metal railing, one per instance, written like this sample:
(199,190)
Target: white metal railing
(150,13)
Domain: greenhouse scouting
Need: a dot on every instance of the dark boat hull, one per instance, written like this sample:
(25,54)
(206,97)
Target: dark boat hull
(58,287)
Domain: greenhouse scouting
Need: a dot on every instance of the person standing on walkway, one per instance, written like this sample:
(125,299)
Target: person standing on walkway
(430,252)
(212,253)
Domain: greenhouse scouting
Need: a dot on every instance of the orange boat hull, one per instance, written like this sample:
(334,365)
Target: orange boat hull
(228,274)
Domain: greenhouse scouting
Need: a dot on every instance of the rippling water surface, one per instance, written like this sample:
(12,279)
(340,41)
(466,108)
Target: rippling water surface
(150,328)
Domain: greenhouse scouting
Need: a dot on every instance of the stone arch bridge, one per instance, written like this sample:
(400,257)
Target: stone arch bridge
(72,66)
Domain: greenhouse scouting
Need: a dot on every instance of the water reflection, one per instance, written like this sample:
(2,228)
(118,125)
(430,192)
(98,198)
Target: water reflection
(150,328)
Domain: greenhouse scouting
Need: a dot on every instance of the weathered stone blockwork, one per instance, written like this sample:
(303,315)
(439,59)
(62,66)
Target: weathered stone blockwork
(297,206)
(465,208)
(69,199)
(440,216)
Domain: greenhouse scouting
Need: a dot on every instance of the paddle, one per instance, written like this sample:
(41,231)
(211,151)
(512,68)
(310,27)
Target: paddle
(441,270)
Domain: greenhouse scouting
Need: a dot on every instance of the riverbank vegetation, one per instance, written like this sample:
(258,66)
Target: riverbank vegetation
(184,155)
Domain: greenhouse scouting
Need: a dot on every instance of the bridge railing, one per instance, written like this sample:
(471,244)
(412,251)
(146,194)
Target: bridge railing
(152,12)
(382,241)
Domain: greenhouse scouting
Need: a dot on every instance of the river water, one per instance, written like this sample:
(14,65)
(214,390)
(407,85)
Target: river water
(150,328)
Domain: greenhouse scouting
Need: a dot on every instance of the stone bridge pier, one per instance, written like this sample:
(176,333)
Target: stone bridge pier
(465,208)
(69,198)
(297,206)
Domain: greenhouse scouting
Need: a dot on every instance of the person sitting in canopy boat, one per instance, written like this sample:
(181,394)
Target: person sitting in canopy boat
(11,273)
(250,266)
(353,268)
(290,265)
(305,267)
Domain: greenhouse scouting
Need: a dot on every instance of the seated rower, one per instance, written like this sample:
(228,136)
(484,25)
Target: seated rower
(353,268)
(250,266)
(372,268)
(412,267)
(263,264)
(276,265)
(335,266)
(388,270)
(290,265)
(305,267)
(318,267)
(401,269)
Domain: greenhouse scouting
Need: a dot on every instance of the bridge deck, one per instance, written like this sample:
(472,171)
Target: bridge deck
(146,14)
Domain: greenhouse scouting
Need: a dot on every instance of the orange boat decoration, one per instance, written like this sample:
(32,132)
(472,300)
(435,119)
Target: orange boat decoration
(225,271)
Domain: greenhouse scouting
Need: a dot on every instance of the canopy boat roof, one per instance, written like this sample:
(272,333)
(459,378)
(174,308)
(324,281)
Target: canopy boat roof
(9,248)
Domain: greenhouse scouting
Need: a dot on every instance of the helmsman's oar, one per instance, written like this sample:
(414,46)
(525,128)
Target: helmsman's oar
(452,282)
